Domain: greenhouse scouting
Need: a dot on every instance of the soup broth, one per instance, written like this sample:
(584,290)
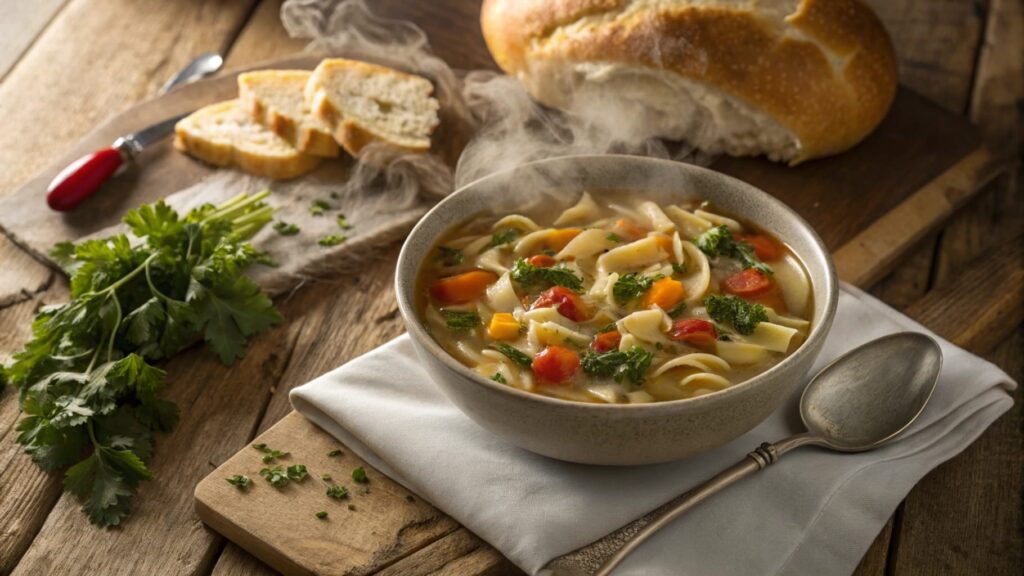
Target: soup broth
(611,302)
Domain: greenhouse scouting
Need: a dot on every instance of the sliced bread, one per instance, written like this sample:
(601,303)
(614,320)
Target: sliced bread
(276,99)
(223,134)
(364,103)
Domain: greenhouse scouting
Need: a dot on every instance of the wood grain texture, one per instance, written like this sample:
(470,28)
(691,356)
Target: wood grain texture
(21,24)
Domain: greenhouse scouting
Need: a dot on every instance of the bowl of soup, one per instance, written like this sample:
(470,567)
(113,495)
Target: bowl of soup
(615,309)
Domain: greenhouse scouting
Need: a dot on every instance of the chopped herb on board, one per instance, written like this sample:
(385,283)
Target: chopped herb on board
(318,207)
(337,492)
(410,498)
(239,481)
(352,507)
(285,228)
(322,515)
(332,240)
(325,477)
(334,453)
(742,315)
(343,222)
(276,476)
(513,354)
(269,454)
(298,472)
(359,475)
(461,319)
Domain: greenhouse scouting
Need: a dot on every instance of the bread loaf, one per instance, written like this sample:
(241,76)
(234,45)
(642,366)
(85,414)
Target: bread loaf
(365,103)
(791,79)
(277,100)
(223,134)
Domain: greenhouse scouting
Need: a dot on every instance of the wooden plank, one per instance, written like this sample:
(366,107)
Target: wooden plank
(21,24)
(874,251)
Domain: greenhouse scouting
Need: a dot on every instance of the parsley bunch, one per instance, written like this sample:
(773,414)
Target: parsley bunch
(718,241)
(89,393)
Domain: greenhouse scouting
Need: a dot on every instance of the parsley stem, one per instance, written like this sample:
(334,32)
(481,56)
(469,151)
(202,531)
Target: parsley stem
(117,323)
(234,207)
(156,292)
(260,217)
(92,362)
(128,277)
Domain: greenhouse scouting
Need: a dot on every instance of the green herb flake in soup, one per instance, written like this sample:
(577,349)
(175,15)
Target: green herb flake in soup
(616,303)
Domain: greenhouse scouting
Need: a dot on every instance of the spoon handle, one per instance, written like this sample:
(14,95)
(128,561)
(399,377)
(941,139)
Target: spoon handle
(600,557)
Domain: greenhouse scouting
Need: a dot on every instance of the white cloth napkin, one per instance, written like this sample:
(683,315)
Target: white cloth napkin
(813,512)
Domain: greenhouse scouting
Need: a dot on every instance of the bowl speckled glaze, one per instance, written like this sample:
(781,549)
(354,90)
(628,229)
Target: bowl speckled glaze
(609,433)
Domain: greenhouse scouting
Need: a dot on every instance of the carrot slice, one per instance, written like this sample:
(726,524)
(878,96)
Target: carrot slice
(463,287)
(664,293)
(541,261)
(606,341)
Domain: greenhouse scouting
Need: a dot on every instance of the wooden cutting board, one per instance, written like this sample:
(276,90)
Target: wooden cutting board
(870,205)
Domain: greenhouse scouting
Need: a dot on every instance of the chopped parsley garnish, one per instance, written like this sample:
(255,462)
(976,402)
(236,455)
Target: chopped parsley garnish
(334,453)
(297,472)
(497,377)
(632,285)
(513,354)
(277,476)
(609,327)
(502,237)
(679,268)
(461,319)
(332,240)
(240,481)
(613,237)
(359,475)
(321,514)
(630,365)
(529,275)
(742,315)
(285,228)
(343,222)
(318,207)
(269,454)
(449,256)
(338,492)
(718,241)
(678,310)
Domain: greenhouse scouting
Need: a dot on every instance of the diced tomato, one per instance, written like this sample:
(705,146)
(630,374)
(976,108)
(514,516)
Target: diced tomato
(556,364)
(694,331)
(462,288)
(629,230)
(567,302)
(541,261)
(750,282)
(606,341)
(765,248)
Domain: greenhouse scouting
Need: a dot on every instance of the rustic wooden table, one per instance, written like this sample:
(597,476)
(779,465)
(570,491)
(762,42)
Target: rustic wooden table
(65,65)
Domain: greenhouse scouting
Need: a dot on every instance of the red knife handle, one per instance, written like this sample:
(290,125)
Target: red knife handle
(82,178)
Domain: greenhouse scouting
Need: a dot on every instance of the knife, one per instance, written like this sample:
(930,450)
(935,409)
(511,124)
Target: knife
(83,177)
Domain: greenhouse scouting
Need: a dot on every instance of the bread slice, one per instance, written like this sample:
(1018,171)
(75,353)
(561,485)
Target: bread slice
(223,134)
(364,103)
(277,100)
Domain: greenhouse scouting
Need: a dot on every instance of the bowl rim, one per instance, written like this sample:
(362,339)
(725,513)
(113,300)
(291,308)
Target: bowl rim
(404,287)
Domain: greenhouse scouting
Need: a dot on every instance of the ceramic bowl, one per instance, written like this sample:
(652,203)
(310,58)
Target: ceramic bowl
(608,433)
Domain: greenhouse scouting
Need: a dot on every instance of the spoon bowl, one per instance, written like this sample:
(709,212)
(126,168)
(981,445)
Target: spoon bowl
(872,393)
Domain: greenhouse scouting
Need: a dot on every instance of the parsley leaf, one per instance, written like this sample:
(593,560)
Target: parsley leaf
(631,286)
(678,310)
(318,207)
(90,395)
(744,316)
(240,481)
(497,377)
(321,514)
(359,475)
(334,453)
(461,319)
(285,228)
(276,476)
(338,492)
(502,237)
(613,237)
(630,365)
(718,241)
(332,240)
(297,472)
(449,256)
(513,354)
(343,222)
(529,275)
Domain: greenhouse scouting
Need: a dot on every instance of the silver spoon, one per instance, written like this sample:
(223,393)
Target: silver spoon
(860,401)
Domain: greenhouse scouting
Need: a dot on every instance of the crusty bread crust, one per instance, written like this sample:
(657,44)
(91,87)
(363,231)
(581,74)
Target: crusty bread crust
(192,136)
(827,72)
(304,138)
